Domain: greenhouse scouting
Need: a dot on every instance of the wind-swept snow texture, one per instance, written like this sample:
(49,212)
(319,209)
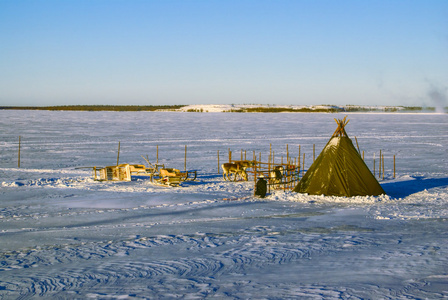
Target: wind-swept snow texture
(64,236)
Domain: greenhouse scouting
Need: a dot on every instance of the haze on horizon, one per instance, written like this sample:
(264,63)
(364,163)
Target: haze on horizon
(138,52)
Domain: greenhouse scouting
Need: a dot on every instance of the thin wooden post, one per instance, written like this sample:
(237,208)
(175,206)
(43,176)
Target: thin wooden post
(357,144)
(118,155)
(379,166)
(259,156)
(394,166)
(269,169)
(255,175)
(303,164)
(241,154)
(362,154)
(295,167)
(255,163)
(287,151)
(288,174)
(374,171)
(20,143)
(298,173)
(245,155)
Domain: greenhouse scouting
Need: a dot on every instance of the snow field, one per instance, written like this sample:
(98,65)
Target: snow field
(63,235)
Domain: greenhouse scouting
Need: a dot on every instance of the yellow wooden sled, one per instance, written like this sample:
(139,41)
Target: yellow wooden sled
(112,173)
(170,177)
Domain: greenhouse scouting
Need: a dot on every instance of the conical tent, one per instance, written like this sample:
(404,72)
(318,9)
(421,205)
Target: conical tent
(339,170)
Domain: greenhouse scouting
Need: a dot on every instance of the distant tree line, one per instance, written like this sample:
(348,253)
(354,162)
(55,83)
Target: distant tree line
(353,108)
(98,107)
(326,109)
(256,109)
(262,109)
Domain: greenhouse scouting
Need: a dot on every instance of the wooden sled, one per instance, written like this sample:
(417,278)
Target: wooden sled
(171,177)
(113,173)
(165,176)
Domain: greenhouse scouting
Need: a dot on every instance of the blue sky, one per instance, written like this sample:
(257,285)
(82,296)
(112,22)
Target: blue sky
(298,52)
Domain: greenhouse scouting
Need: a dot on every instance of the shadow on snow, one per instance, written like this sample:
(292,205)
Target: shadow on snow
(402,189)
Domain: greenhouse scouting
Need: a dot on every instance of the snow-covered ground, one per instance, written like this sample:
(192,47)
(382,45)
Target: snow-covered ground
(63,235)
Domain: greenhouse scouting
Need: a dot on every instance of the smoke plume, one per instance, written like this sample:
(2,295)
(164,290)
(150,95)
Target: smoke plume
(438,97)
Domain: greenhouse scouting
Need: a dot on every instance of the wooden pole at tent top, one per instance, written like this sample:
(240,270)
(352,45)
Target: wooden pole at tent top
(118,155)
(20,143)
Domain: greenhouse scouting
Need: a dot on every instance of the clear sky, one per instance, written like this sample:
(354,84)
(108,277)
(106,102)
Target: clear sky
(298,52)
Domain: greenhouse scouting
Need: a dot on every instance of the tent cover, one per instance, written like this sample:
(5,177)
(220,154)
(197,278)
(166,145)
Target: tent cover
(339,170)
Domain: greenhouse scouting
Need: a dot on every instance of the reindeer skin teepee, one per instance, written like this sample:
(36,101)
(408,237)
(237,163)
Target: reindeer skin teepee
(339,170)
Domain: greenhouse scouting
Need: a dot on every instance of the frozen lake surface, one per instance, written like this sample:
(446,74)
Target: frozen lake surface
(63,235)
